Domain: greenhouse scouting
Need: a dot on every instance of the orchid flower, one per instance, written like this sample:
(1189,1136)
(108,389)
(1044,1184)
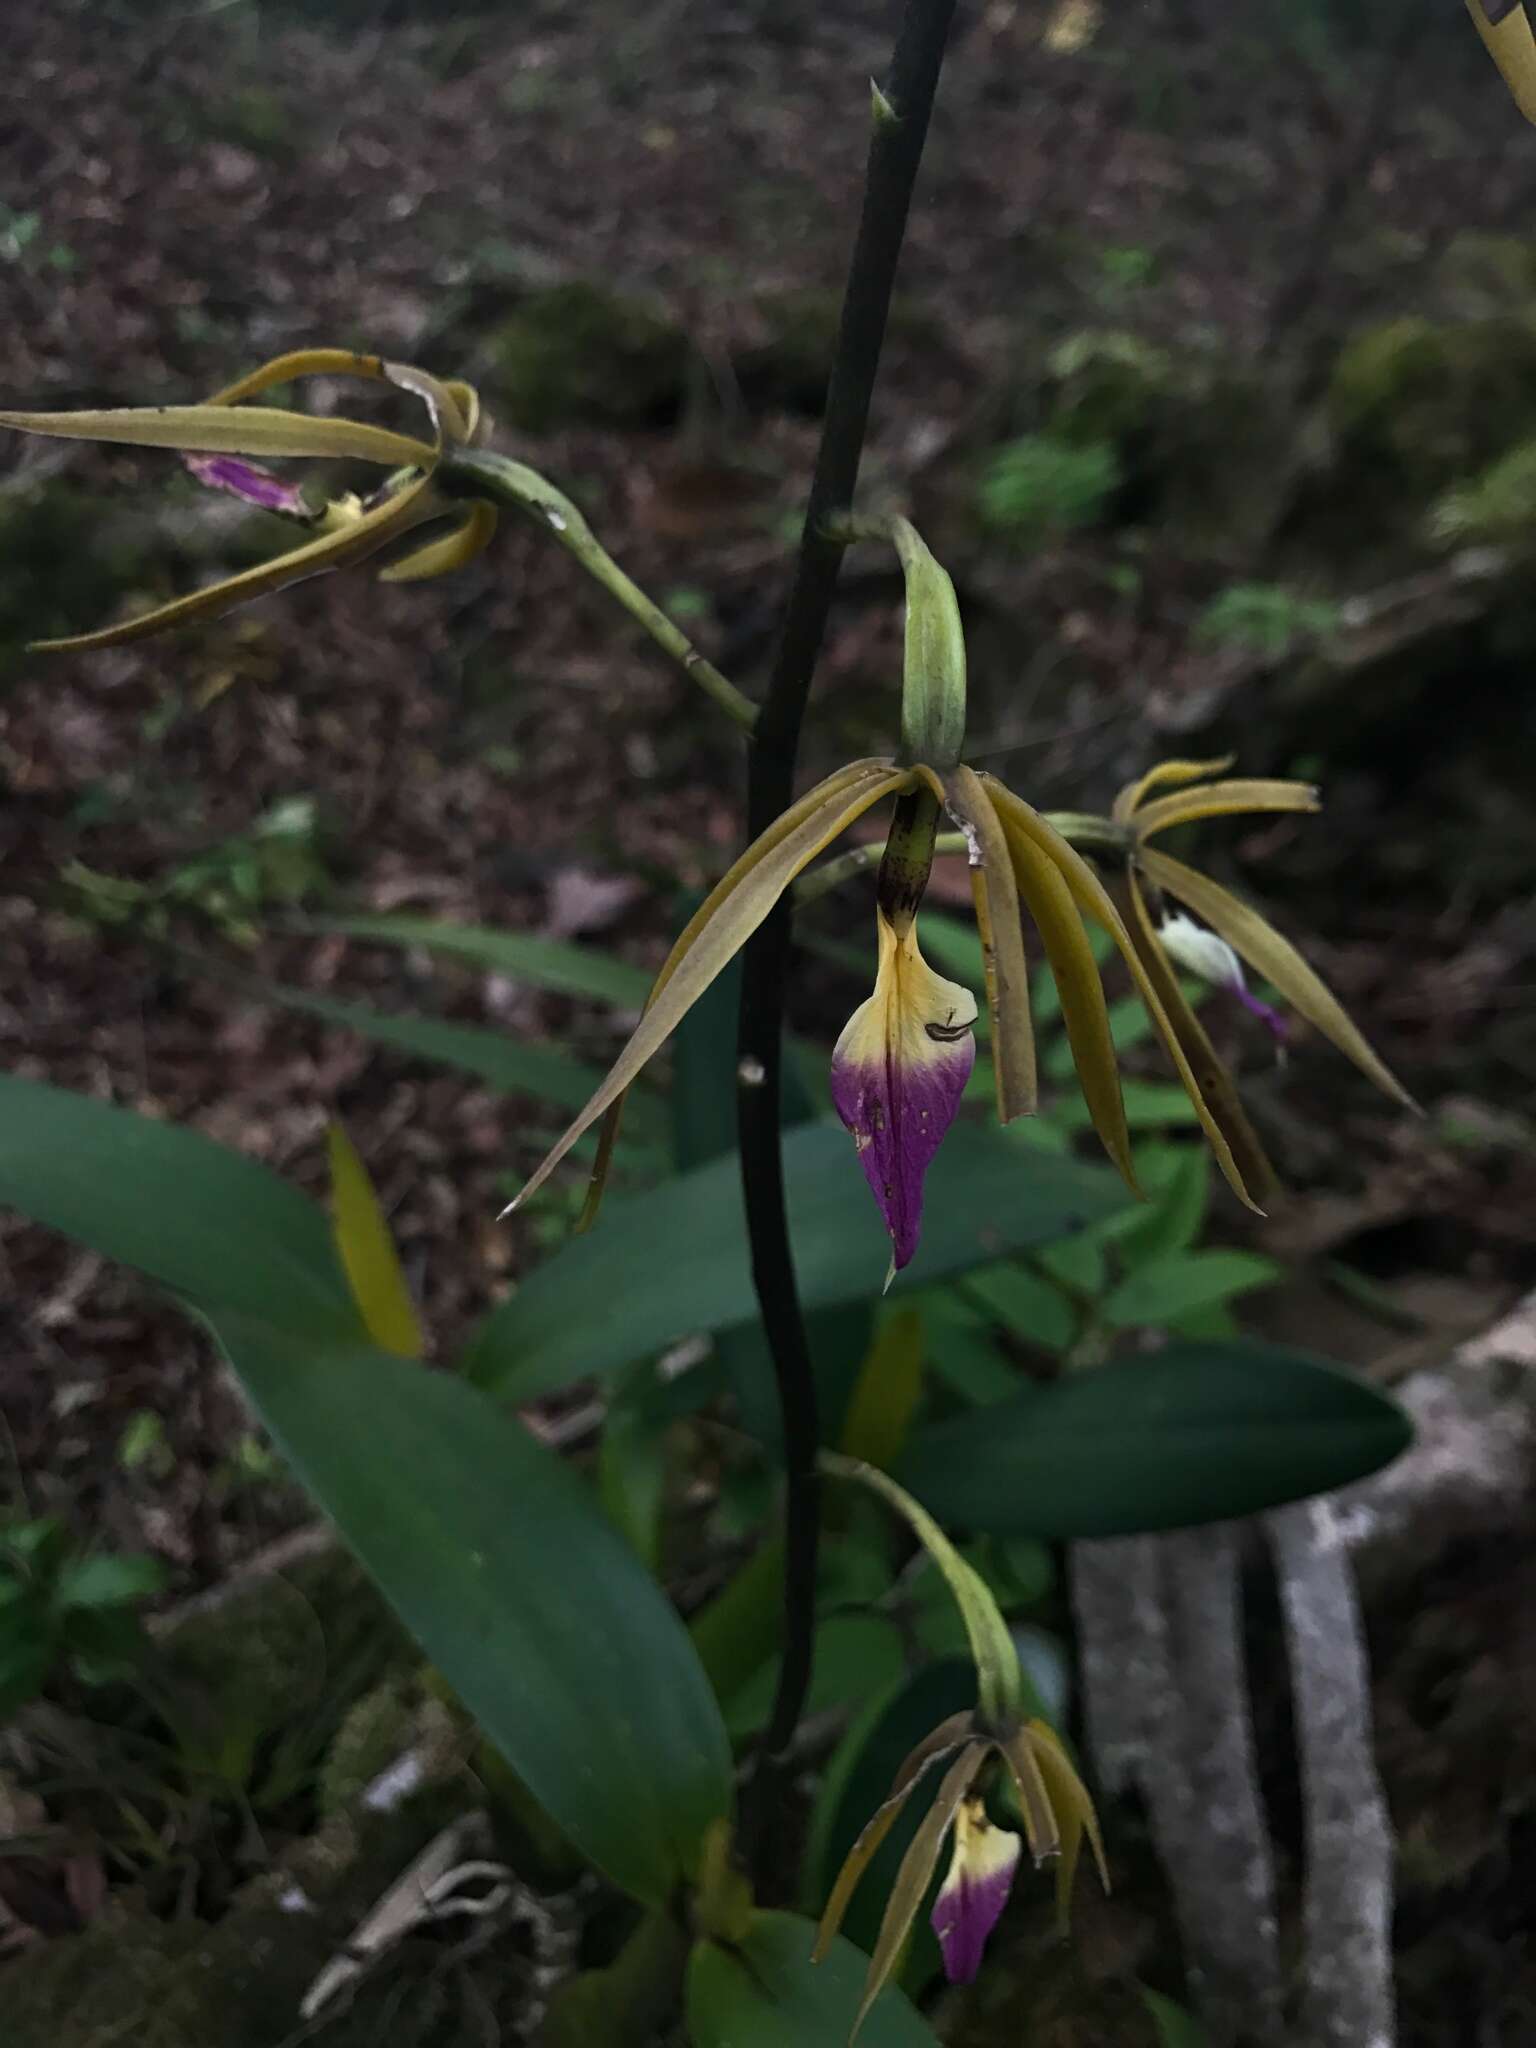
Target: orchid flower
(996,1741)
(217,438)
(1231,934)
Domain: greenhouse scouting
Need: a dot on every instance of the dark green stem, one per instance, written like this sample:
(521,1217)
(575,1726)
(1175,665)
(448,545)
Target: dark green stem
(896,147)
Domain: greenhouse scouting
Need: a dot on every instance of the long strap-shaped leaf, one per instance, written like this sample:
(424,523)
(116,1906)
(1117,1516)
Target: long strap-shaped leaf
(1257,942)
(1222,1120)
(726,920)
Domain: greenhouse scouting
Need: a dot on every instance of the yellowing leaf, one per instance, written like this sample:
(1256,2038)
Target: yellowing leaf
(885,1395)
(367,1252)
(1257,942)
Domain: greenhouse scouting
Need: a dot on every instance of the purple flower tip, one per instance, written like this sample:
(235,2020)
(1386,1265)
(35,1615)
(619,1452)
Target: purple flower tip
(973,1895)
(245,480)
(1207,954)
(898,1073)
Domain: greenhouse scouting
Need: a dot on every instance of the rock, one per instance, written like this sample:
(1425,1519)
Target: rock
(583,353)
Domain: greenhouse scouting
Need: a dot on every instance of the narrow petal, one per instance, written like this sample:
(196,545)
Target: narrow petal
(255,485)
(898,1073)
(1277,960)
(1165,771)
(299,362)
(1506,31)
(973,1895)
(441,400)
(1073,1809)
(1084,1011)
(995,894)
(934,1749)
(916,1869)
(348,541)
(229,430)
(788,822)
(734,909)
(1221,1118)
(1040,1821)
(1224,800)
(1233,1139)
(469,537)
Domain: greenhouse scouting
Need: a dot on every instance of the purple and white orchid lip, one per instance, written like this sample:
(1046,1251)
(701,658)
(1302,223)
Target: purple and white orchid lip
(247,480)
(898,1073)
(973,1895)
(1208,955)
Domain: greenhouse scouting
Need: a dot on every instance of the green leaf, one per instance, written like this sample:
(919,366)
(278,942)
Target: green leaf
(674,1262)
(1194,1433)
(505,1569)
(1171,1286)
(855,1653)
(1178,1180)
(541,963)
(108,1581)
(771,1995)
(190,1214)
(1176,2025)
(1028,1304)
(502,1062)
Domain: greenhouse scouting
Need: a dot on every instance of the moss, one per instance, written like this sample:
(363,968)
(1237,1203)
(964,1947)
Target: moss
(1415,405)
(1109,386)
(1496,508)
(581,352)
(376,1729)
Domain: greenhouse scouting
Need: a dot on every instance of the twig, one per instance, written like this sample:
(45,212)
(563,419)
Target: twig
(900,128)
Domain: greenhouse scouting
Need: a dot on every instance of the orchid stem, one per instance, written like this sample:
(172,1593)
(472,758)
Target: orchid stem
(477,473)
(900,129)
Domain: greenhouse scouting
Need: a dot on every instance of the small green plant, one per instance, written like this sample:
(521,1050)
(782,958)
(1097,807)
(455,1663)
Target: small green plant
(1495,508)
(1264,619)
(66,1609)
(1042,486)
(278,863)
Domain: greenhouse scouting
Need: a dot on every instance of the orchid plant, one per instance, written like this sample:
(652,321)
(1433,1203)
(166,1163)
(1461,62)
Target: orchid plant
(608,1711)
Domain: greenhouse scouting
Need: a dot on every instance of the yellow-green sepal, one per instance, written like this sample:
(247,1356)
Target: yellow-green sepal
(1506,34)
(933,667)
